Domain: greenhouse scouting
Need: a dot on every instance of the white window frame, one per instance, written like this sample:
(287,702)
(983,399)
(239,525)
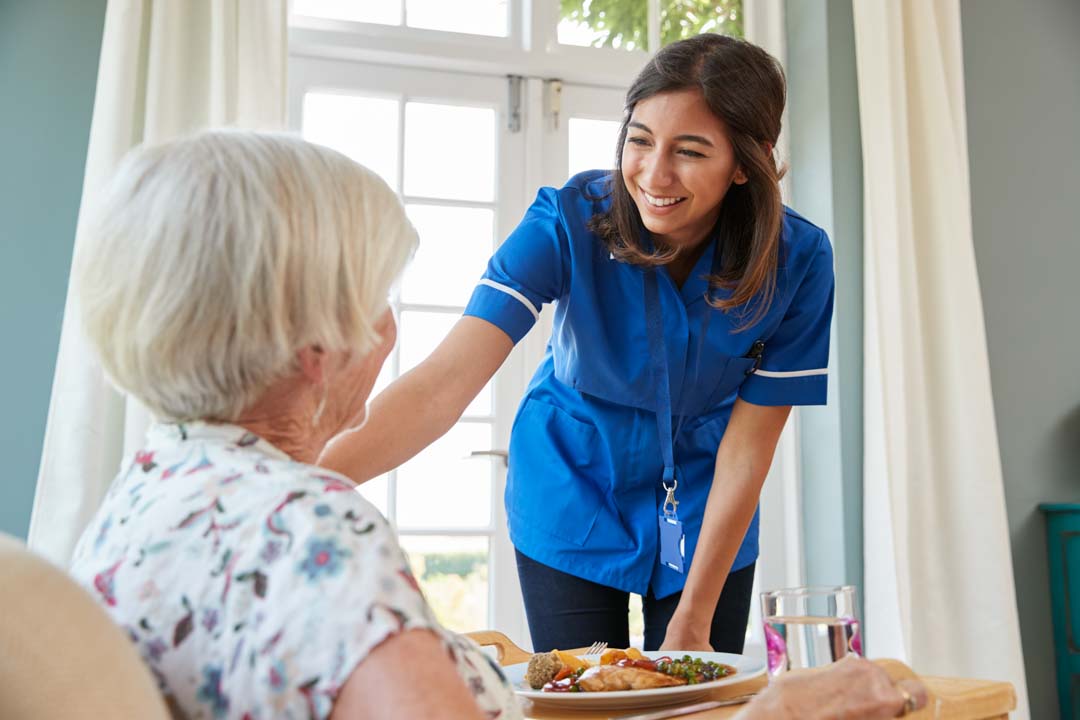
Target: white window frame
(426,85)
(531,48)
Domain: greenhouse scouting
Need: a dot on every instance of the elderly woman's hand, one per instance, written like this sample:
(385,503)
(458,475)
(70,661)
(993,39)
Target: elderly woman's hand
(850,688)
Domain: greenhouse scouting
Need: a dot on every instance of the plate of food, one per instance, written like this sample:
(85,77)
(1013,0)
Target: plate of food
(627,678)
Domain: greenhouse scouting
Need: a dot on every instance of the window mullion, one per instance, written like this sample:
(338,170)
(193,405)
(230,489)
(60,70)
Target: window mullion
(541,21)
(401,147)
(395,357)
(431,531)
(654,26)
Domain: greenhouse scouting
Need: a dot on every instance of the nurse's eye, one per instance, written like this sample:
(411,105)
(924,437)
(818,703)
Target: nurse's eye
(637,141)
(690,153)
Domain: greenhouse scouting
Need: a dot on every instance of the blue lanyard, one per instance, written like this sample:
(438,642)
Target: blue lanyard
(658,352)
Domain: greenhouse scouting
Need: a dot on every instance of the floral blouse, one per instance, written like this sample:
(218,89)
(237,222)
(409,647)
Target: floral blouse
(252,584)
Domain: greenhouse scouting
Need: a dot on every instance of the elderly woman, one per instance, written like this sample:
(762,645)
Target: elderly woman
(236,284)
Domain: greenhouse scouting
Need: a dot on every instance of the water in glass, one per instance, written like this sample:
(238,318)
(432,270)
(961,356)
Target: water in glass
(809,627)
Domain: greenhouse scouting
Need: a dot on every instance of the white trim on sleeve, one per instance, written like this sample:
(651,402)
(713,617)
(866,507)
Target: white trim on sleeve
(792,373)
(514,294)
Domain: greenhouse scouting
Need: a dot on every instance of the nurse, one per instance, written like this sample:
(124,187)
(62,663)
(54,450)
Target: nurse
(692,310)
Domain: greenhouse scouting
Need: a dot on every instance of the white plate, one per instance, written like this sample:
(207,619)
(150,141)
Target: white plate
(746,668)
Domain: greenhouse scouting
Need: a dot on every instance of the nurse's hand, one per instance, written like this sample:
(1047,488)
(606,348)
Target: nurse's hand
(685,635)
(421,405)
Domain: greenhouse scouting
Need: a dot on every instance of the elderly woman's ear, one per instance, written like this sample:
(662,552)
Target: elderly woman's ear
(312,361)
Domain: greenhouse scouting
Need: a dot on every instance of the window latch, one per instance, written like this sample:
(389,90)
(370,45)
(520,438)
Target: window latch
(513,123)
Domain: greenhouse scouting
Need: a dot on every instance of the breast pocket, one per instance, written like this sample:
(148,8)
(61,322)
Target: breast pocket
(557,465)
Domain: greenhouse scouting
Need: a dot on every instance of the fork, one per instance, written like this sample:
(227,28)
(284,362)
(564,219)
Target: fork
(596,648)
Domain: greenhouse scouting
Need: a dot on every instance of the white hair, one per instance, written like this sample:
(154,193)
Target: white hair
(210,261)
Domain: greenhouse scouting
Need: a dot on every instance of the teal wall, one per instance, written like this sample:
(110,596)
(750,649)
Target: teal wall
(1022,81)
(826,187)
(48,70)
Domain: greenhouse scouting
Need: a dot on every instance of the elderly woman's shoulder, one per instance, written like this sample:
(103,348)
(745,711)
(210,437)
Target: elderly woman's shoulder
(198,476)
(288,487)
(326,493)
(320,519)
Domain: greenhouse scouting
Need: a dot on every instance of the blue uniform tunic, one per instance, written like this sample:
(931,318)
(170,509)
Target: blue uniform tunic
(583,488)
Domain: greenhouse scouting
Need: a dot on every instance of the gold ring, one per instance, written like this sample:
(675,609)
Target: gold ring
(910,704)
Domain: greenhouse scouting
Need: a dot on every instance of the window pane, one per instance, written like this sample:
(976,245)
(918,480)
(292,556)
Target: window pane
(383,12)
(592,144)
(375,492)
(685,18)
(443,487)
(455,245)
(477,17)
(622,25)
(449,152)
(364,128)
(419,333)
(453,573)
(637,622)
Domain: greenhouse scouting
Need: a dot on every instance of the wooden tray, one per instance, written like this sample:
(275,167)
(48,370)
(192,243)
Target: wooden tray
(950,698)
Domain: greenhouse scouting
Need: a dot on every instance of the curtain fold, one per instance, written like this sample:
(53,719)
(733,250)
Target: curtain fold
(939,580)
(166,69)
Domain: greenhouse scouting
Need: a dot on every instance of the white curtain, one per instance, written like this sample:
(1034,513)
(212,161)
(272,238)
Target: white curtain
(167,68)
(939,580)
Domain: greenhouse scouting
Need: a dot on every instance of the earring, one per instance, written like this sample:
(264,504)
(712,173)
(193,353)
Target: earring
(320,407)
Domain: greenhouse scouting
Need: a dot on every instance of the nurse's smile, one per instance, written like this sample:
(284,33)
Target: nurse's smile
(661,205)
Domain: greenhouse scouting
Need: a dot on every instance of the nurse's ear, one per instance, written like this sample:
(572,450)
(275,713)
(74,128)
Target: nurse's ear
(740,176)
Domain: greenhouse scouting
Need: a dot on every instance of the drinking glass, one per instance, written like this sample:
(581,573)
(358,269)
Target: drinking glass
(809,627)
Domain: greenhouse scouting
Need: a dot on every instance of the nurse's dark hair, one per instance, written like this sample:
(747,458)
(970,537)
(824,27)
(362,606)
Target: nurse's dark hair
(744,87)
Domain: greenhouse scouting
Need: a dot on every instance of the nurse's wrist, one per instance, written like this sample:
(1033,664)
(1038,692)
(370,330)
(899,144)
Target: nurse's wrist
(692,614)
(697,605)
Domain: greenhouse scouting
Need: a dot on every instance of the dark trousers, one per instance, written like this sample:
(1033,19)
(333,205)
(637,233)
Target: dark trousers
(567,612)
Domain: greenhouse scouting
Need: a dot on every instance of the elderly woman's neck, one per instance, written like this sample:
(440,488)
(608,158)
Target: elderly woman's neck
(285,420)
(292,435)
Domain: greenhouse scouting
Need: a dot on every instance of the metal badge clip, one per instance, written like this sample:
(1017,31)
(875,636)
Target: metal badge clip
(670,501)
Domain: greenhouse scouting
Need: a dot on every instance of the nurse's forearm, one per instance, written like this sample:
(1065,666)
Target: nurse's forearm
(732,500)
(742,462)
(421,405)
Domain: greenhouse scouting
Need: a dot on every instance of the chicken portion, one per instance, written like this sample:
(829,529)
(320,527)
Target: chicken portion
(606,678)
